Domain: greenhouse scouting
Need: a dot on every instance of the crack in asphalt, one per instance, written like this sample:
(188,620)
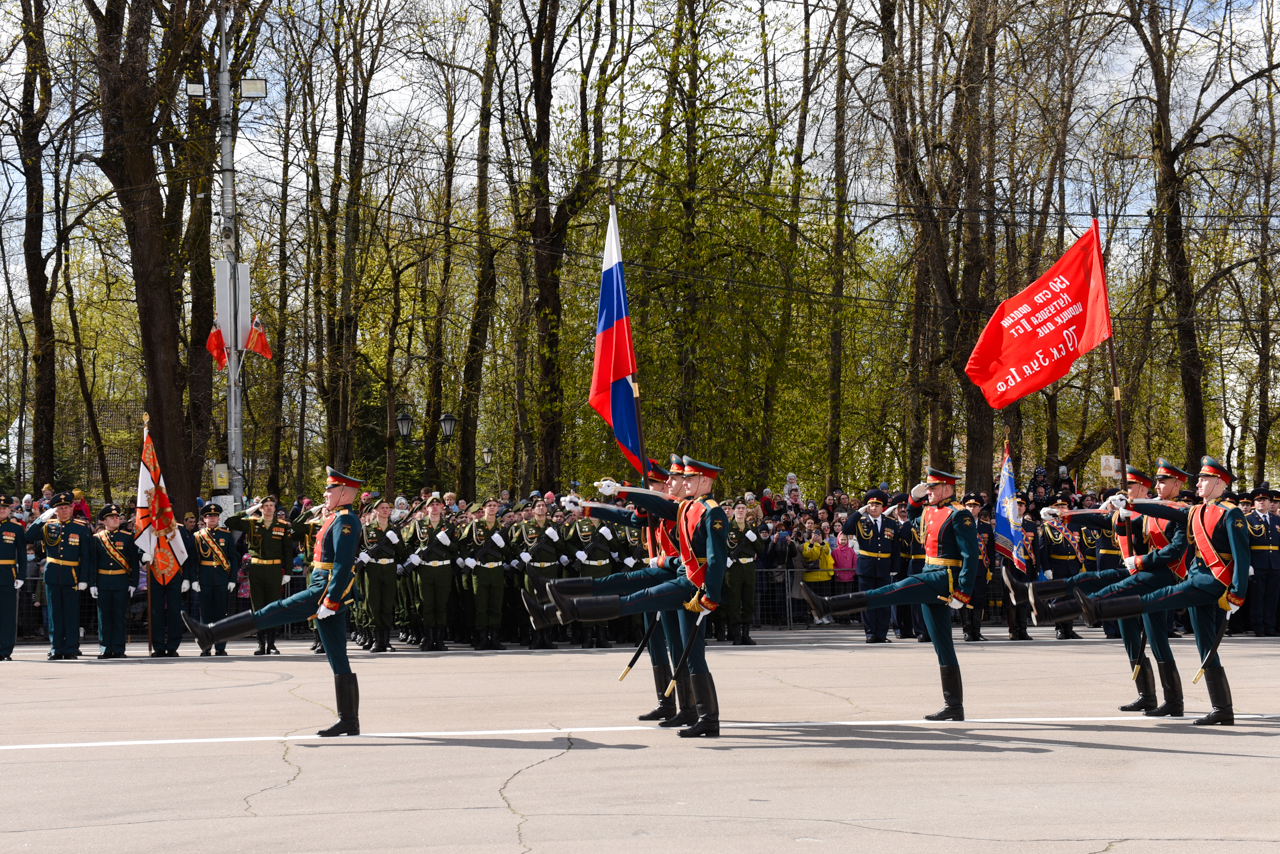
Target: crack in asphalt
(503,789)
(815,690)
(288,746)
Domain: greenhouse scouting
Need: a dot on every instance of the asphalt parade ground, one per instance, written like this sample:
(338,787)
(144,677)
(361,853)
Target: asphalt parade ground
(823,748)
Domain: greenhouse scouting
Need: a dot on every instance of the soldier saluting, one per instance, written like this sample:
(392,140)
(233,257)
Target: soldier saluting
(270,548)
(113,576)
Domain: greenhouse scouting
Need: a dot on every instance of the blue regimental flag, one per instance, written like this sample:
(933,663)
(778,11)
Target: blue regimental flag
(1008,520)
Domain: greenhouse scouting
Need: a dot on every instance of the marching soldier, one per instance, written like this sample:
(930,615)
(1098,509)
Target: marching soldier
(13,558)
(215,556)
(69,549)
(383,550)
(483,554)
(745,543)
(270,550)
(433,541)
(588,540)
(539,547)
(951,566)
(971,618)
(327,599)
(113,576)
(876,535)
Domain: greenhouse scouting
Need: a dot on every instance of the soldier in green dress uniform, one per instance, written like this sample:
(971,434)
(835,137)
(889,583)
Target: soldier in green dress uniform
(484,554)
(746,543)
(215,556)
(13,574)
(270,552)
(69,552)
(113,576)
(384,549)
(588,542)
(538,546)
(433,542)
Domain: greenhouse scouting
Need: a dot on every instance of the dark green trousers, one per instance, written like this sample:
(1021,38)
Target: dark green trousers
(740,592)
(488,583)
(265,583)
(435,583)
(381,582)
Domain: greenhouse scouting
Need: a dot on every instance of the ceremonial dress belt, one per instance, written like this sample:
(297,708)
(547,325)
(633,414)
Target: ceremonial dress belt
(873,554)
(490,565)
(750,559)
(60,562)
(321,564)
(1264,548)
(265,560)
(435,563)
(209,563)
(384,560)
(112,571)
(595,562)
(1108,551)
(8,562)
(540,563)
(1063,557)
(942,561)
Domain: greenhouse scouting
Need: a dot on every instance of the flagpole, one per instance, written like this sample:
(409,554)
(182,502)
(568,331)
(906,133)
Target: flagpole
(1115,394)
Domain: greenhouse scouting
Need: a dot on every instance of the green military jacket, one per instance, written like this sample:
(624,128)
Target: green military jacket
(269,540)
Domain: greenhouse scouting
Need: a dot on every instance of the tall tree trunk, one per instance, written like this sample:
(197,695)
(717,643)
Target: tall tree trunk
(282,324)
(835,364)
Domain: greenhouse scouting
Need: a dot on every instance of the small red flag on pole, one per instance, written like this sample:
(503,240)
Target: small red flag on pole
(257,341)
(217,347)
(1034,337)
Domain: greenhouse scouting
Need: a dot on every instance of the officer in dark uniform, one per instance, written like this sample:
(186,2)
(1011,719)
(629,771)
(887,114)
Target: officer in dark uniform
(433,542)
(215,556)
(69,553)
(538,546)
(1018,613)
(270,552)
(1264,565)
(1060,555)
(13,559)
(910,557)
(327,599)
(951,564)
(113,576)
(483,550)
(746,543)
(971,618)
(877,557)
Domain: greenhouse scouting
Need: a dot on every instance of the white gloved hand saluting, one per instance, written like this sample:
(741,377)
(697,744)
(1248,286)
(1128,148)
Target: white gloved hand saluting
(919,491)
(443,538)
(93,591)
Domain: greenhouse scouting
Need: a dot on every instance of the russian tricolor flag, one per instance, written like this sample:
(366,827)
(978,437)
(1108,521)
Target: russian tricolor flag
(613,389)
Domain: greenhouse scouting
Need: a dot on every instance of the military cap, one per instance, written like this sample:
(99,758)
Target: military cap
(189,517)
(337,478)
(1262,491)
(6,500)
(1166,469)
(109,510)
(876,496)
(1110,491)
(677,464)
(898,498)
(1136,475)
(1062,500)
(210,509)
(434,498)
(1209,467)
(657,472)
(694,467)
(933,475)
(1187,496)
(971,498)
(492,499)
(1275,495)
(61,499)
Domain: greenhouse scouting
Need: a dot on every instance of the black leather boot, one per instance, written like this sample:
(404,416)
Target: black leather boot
(708,706)
(688,714)
(1146,680)
(745,635)
(571,586)
(235,626)
(1215,679)
(1064,630)
(1017,590)
(493,641)
(666,708)
(735,634)
(539,583)
(1172,684)
(952,695)
(588,637)
(1114,608)
(271,642)
(827,606)
(440,645)
(602,637)
(588,608)
(542,617)
(381,640)
(1059,611)
(346,689)
(262,644)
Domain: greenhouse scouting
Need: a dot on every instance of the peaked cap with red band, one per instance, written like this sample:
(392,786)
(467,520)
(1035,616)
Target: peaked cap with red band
(1209,467)
(337,478)
(1137,476)
(692,466)
(933,475)
(677,464)
(1166,469)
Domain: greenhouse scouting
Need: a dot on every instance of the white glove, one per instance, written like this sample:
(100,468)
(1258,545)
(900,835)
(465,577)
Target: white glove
(131,589)
(497,540)
(564,561)
(956,604)
(553,535)
(414,559)
(580,555)
(1251,572)
(195,585)
(606,533)
(443,538)
(629,561)
(1047,513)
(363,557)
(613,555)
(323,612)
(606,487)
(1232,607)
(572,503)
(393,537)
(728,561)
(17,583)
(470,562)
(186,585)
(1131,563)
(458,561)
(919,491)
(1114,503)
(283,581)
(93,591)
(751,535)
(231,586)
(84,585)
(526,557)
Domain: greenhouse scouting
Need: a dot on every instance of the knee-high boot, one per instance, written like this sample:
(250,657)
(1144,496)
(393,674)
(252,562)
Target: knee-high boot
(708,706)
(827,606)
(208,634)
(952,695)
(1172,684)
(346,690)
(666,708)
(1146,680)
(1215,679)
(688,714)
